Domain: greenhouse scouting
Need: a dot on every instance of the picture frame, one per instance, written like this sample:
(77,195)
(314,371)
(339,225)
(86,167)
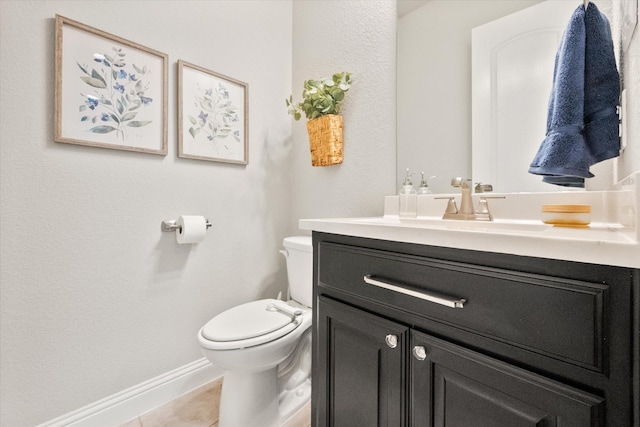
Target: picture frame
(213,116)
(109,92)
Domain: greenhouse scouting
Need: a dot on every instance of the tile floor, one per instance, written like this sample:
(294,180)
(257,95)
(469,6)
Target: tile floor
(199,408)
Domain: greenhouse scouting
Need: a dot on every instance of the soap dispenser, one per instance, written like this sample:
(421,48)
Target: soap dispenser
(408,198)
(407,185)
(424,185)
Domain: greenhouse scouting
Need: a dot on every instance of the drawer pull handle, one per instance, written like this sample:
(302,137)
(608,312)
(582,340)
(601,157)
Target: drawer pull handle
(438,299)
(419,352)
(391,340)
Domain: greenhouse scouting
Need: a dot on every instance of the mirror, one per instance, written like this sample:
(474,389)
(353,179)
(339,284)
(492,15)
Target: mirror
(512,62)
(434,90)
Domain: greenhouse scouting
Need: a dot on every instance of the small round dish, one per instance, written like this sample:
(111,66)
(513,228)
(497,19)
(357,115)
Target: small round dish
(567,215)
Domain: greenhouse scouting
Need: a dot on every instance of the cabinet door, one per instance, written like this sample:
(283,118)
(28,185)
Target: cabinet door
(359,368)
(455,387)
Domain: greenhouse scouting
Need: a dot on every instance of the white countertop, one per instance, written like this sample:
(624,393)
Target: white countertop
(599,243)
(612,238)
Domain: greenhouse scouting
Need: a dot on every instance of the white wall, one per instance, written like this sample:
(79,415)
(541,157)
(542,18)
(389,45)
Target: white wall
(356,36)
(94,298)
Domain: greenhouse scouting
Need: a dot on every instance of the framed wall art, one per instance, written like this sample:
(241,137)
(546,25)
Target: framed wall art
(212,115)
(109,92)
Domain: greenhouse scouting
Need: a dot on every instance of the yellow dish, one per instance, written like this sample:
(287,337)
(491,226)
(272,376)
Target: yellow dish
(567,215)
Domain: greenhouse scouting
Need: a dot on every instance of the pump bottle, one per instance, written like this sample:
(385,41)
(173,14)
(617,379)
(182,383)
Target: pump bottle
(424,185)
(408,198)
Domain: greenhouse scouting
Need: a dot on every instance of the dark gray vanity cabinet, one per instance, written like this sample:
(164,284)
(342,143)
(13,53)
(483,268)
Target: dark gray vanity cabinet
(453,386)
(535,342)
(365,365)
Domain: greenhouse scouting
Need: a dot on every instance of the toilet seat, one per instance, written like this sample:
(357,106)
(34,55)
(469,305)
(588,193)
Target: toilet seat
(250,324)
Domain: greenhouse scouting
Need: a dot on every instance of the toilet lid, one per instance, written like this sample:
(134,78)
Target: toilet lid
(246,321)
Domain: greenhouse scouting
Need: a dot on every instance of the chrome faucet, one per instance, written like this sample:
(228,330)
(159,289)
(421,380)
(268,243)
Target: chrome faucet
(466,211)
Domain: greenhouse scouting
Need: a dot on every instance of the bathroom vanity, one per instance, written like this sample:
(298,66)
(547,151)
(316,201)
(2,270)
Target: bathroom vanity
(428,329)
(532,342)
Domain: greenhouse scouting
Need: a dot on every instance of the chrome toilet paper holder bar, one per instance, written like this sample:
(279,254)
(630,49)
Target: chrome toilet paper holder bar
(171,225)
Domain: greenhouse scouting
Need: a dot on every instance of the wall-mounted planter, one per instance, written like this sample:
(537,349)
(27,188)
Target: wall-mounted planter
(325,140)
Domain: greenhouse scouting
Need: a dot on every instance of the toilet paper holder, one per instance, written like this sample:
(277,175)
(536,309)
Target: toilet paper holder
(170,225)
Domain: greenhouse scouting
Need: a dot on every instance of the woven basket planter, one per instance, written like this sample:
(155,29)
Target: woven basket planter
(325,140)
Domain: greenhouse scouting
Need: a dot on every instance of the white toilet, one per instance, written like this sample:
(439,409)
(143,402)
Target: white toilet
(264,347)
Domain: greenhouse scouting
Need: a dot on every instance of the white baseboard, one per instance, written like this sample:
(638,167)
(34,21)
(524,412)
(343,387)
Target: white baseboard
(127,404)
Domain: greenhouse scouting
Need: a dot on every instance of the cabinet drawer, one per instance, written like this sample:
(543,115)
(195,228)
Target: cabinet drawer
(556,317)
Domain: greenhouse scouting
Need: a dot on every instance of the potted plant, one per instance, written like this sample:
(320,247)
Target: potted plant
(321,102)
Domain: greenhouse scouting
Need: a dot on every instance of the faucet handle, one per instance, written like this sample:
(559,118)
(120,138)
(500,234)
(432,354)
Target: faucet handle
(459,181)
(483,205)
(483,188)
(492,197)
(452,208)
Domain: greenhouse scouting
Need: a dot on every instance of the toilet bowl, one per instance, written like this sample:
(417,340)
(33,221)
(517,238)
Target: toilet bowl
(264,348)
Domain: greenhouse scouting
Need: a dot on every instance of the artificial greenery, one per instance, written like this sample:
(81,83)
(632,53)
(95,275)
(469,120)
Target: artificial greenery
(321,97)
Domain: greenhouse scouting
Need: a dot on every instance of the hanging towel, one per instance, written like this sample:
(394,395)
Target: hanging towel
(601,89)
(582,121)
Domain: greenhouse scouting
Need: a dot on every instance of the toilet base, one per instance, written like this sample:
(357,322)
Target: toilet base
(252,399)
(247,399)
(267,384)
(291,401)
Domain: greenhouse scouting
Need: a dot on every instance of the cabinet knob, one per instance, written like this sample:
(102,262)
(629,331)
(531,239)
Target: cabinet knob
(391,340)
(419,352)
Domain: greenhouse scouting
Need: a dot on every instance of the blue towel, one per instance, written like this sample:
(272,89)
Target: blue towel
(582,121)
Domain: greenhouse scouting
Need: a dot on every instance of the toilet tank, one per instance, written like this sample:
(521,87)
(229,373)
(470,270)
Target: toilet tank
(299,254)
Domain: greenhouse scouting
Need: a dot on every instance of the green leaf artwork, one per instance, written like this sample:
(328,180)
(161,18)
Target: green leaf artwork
(217,117)
(116,93)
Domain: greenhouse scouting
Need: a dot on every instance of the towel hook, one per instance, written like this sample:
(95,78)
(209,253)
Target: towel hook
(586,4)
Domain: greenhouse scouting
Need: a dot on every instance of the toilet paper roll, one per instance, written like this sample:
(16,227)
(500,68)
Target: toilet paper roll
(192,229)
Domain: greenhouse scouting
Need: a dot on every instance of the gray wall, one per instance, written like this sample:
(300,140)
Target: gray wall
(356,36)
(94,298)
